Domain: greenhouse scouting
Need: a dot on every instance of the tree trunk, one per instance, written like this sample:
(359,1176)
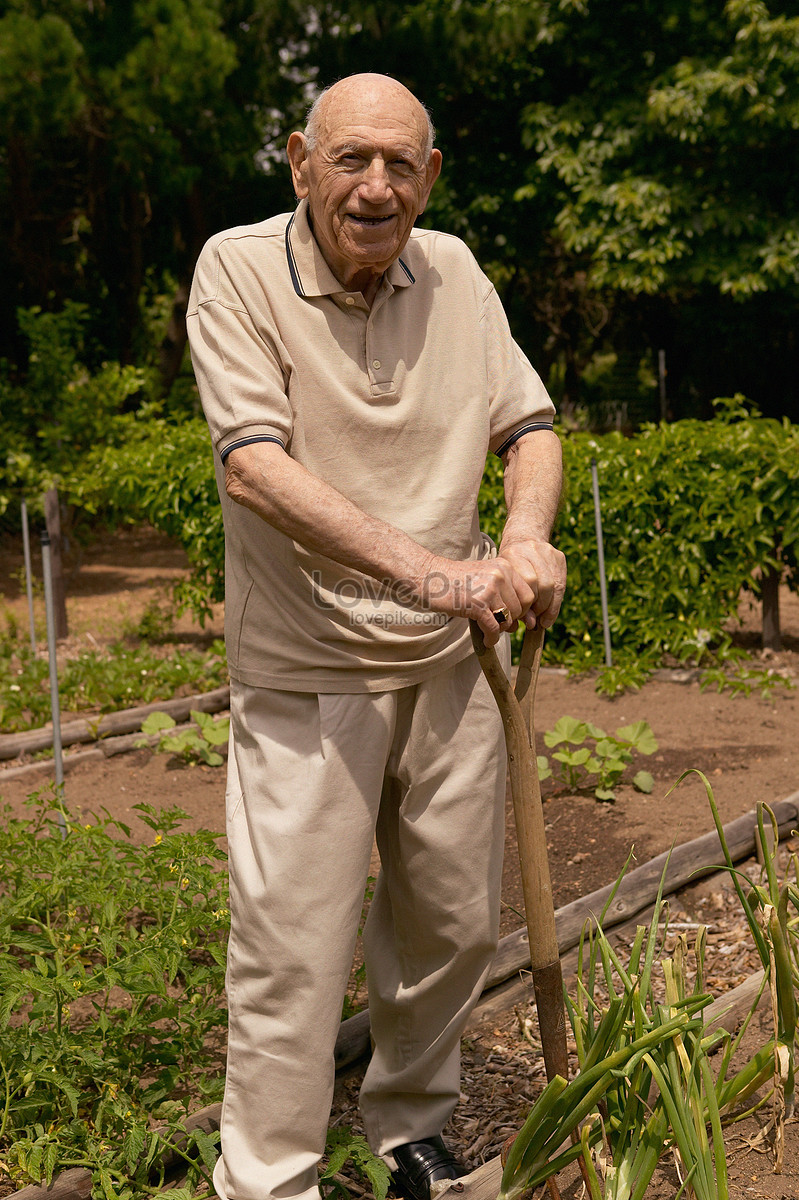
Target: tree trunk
(170,352)
(772,640)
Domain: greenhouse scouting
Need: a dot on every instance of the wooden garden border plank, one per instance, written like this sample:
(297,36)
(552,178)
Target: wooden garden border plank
(127,720)
(688,862)
(107,748)
(14,744)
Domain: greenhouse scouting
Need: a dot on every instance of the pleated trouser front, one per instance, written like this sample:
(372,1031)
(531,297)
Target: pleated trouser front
(312,779)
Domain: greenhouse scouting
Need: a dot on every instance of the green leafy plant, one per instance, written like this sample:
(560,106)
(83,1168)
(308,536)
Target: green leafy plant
(766,909)
(586,756)
(678,555)
(156,622)
(163,474)
(744,681)
(122,677)
(624,677)
(61,403)
(623,1048)
(192,745)
(111,976)
(344,1146)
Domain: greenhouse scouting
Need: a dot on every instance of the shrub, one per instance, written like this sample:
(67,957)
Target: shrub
(692,513)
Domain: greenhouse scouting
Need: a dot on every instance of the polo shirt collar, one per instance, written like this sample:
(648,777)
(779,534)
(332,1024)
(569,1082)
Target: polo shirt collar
(310,274)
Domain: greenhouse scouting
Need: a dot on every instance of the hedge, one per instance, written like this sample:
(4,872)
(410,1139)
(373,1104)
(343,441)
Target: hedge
(693,512)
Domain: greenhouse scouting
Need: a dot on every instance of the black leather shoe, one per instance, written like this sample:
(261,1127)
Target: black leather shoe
(420,1165)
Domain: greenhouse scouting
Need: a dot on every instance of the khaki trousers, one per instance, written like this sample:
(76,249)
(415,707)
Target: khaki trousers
(311,780)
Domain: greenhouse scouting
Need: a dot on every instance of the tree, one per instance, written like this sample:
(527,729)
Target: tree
(131,132)
(672,141)
(625,170)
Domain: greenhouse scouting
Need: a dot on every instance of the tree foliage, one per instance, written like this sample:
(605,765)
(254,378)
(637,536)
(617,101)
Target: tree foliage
(620,169)
(623,169)
(679,179)
(130,132)
(664,147)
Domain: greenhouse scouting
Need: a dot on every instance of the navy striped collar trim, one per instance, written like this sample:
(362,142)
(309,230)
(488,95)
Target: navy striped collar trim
(294,271)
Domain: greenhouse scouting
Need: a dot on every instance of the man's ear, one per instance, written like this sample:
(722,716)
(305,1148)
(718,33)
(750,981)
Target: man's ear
(298,161)
(433,170)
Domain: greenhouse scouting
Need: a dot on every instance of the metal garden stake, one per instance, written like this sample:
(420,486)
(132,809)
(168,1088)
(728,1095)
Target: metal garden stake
(603,587)
(51,647)
(26,550)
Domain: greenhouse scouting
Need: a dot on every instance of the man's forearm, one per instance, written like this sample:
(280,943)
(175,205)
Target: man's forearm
(533,476)
(263,478)
(533,480)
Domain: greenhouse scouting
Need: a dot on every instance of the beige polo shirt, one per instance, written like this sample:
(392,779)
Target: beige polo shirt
(395,407)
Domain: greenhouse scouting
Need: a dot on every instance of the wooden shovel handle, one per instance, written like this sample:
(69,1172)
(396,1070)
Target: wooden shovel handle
(517,712)
(527,679)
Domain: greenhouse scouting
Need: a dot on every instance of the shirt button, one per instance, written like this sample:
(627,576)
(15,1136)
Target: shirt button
(350,300)
(376,364)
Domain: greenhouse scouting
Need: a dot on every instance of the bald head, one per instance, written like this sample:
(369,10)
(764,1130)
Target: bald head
(379,90)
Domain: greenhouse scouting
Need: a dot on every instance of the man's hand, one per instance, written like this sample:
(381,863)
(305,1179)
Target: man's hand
(477,589)
(543,568)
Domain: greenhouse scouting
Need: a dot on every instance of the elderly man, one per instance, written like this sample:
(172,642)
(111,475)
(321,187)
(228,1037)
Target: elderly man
(354,372)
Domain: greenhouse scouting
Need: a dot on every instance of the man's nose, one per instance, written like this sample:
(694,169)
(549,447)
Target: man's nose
(375,184)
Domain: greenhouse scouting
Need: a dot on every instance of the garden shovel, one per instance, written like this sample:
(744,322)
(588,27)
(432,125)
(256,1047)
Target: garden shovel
(517,711)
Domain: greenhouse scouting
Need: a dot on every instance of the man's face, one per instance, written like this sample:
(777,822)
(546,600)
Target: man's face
(366,179)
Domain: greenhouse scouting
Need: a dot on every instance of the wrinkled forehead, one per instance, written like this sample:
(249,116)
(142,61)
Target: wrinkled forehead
(378,114)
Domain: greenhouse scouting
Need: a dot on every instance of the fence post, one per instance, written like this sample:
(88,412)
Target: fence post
(52,518)
(664,408)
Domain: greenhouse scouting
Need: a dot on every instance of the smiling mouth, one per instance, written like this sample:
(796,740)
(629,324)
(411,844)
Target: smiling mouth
(370,222)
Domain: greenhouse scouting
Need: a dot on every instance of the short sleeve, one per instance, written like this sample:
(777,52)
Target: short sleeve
(242,370)
(516,394)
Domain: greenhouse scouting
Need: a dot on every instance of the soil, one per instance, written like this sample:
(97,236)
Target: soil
(747,745)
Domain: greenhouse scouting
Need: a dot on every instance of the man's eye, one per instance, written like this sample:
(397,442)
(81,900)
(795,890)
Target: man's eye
(350,160)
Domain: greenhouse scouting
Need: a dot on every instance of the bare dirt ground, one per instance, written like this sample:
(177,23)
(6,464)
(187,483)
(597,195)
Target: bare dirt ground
(748,746)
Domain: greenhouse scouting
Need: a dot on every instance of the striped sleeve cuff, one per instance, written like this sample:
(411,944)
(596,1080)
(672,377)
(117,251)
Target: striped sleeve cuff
(248,441)
(519,433)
